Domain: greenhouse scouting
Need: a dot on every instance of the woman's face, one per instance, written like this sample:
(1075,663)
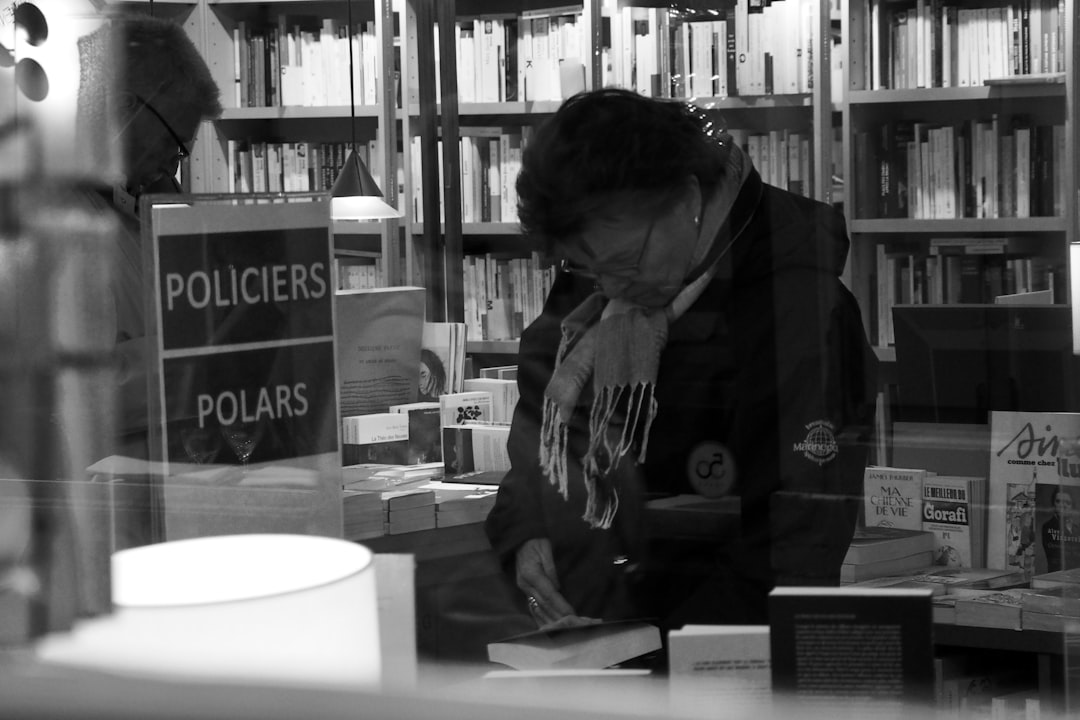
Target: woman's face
(636,257)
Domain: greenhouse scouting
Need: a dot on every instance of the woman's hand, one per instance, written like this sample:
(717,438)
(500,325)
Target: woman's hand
(536,576)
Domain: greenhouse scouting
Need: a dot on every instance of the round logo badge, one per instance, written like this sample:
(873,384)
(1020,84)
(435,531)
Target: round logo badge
(711,469)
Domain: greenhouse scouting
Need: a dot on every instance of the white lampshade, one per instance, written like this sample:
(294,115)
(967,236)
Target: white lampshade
(275,608)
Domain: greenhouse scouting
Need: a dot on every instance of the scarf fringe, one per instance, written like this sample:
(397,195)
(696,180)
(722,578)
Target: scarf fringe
(604,452)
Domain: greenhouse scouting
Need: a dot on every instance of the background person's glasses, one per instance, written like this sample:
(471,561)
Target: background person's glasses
(181,149)
(596,272)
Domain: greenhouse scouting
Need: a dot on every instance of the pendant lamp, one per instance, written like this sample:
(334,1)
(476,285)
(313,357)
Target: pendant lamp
(355,195)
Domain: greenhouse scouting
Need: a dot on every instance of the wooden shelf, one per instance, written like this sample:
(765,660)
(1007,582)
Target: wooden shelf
(909,226)
(492,347)
(953,94)
(297,112)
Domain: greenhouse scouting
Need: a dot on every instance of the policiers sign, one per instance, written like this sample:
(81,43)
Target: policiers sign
(243,308)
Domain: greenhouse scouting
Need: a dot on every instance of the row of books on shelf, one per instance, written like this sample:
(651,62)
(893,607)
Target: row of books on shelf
(504,295)
(930,43)
(958,270)
(302,60)
(747,48)
(534,55)
(271,166)
(783,158)
(978,168)
(490,160)
(359,273)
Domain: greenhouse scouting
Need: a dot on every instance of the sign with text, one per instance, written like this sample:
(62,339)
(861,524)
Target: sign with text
(243,381)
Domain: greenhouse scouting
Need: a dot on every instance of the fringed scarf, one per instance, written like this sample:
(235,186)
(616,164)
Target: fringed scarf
(617,344)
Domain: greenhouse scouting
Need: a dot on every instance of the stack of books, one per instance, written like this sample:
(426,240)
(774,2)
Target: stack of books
(363,515)
(883,551)
(461,503)
(404,505)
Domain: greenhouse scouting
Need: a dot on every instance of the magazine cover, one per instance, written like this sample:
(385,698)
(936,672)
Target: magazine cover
(1034,526)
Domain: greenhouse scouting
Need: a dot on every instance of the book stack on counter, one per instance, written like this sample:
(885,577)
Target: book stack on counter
(461,503)
(877,552)
(387,500)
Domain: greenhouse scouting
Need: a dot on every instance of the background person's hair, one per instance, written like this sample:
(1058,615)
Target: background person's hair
(613,145)
(149,56)
(160,60)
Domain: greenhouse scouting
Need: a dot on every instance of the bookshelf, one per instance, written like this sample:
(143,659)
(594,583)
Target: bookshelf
(767,103)
(282,67)
(959,152)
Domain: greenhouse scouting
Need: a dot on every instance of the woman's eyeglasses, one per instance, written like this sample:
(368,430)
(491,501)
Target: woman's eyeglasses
(181,149)
(596,272)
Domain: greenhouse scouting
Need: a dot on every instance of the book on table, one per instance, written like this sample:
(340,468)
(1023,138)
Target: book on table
(728,665)
(425,436)
(875,544)
(892,497)
(852,650)
(1029,468)
(376,438)
(993,609)
(954,510)
(1057,577)
(378,334)
(593,646)
(857,572)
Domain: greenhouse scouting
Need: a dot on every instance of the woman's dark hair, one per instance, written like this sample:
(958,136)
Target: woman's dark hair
(610,144)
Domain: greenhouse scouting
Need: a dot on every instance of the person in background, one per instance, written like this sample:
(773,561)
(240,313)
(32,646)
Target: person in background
(149,75)
(697,339)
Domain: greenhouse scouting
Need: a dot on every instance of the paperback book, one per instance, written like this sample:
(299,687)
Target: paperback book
(504,396)
(378,438)
(1034,492)
(441,365)
(954,509)
(994,609)
(475,448)
(378,334)
(874,544)
(720,666)
(474,406)
(855,651)
(856,572)
(892,497)
(425,439)
(594,646)
(1058,577)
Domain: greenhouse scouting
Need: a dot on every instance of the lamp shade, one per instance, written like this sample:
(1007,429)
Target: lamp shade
(259,607)
(355,196)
